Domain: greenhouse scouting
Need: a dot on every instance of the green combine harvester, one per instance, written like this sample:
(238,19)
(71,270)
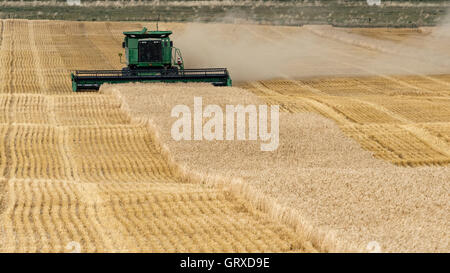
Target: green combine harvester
(150,57)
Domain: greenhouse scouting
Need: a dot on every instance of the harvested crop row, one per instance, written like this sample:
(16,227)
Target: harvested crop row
(439,129)
(395,144)
(114,154)
(36,153)
(367,108)
(3,152)
(417,110)
(28,109)
(49,215)
(85,212)
(17,56)
(84,110)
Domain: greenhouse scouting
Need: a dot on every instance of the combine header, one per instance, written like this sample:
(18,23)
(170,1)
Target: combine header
(150,57)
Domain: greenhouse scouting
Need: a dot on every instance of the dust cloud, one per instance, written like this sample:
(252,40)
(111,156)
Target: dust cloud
(247,56)
(257,52)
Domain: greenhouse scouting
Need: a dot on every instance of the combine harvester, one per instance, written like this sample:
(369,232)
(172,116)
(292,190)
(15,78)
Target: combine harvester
(150,57)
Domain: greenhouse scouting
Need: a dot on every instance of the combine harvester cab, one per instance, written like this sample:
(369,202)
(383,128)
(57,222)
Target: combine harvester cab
(150,57)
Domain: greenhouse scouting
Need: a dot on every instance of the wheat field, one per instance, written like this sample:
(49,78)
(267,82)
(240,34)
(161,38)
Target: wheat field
(318,180)
(75,169)
(407,130)
(79,167)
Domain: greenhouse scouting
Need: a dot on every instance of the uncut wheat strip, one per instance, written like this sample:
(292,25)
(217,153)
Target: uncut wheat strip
(374,180)
(323,241)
